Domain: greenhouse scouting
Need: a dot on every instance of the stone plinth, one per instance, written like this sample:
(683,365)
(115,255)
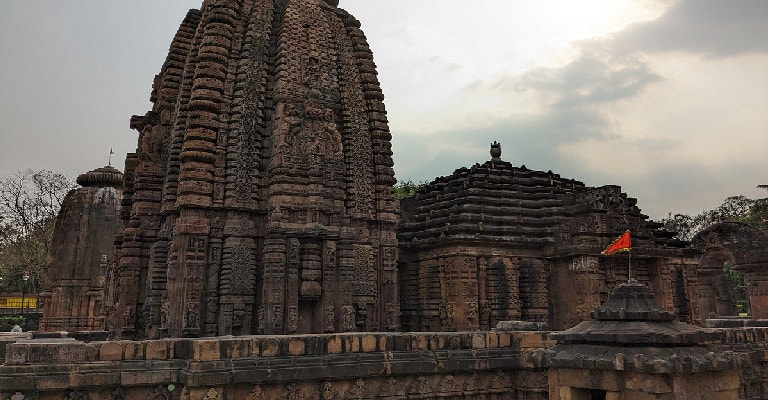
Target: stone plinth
(632,350)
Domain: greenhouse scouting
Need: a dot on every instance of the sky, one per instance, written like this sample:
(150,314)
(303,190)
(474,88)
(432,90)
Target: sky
(666,98)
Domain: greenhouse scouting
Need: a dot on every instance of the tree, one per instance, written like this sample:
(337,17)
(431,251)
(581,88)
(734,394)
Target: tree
(733,209)
(29,203)
(408,188)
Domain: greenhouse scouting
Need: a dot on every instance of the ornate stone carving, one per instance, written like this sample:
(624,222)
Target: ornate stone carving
(271,137)
(392,387)
(420,386)
(349,318)
(293,392)
(356,390)
(257,393)
(212,394)
(328,391)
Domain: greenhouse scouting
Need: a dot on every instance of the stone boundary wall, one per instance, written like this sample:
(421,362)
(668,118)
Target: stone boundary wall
(476,365)
(447,366)
(753,375)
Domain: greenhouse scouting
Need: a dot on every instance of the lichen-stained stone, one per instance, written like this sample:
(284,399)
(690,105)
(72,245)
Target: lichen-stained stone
(260,198)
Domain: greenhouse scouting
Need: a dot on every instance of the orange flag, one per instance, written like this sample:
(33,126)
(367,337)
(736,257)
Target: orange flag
(623,243)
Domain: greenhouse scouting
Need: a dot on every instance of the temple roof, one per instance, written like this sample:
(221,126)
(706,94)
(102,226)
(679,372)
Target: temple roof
(499,202)
(107,176)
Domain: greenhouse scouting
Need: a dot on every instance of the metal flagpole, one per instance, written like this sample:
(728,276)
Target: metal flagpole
(630,265)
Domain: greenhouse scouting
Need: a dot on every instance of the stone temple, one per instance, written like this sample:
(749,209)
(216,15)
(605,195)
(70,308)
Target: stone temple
(260,198)
(83,241)
(260,254)
(496,242)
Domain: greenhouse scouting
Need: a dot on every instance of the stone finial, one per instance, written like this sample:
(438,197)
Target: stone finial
(102,177)
(495,151)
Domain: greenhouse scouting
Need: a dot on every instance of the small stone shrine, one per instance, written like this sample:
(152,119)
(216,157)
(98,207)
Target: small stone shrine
(633,349)
(496,242)
(260,198)
(83,250)
(743,247)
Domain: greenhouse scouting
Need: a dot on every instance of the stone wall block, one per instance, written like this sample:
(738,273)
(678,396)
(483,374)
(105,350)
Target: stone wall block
(400,342)
(534,340)
(335,345)
(49,351)
(92,350)
(270,347)
(146,377)
(316,345)
(296,346)
(134,350)
(111,351)
(648,383)
(235,348)
(505,340)
(493,339)
(206,349)
(420,342)
(479,341)
(255,347)
(369,343)
(157,350)
(436,342)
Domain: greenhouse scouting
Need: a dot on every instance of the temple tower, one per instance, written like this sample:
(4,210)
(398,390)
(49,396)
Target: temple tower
(82,249)
(260,198)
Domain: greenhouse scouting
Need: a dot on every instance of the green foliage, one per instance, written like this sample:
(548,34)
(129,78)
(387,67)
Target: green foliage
(408,188)
(7,322)
(736,280)
(733,209)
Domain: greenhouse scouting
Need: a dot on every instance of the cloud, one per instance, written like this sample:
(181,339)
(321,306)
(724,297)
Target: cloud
(713,28)
(624,111)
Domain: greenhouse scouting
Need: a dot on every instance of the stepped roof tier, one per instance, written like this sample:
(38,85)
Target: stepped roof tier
(531,242)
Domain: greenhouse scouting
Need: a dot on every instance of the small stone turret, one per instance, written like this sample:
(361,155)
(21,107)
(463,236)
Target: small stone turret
(83,242)
(633,339)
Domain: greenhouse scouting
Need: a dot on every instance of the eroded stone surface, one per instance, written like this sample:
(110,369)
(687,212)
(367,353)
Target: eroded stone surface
(260,199)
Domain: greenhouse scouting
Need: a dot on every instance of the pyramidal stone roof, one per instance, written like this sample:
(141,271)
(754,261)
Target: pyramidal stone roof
(498,202)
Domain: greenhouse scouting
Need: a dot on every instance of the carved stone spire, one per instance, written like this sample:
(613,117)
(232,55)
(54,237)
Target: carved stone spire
(262,190)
